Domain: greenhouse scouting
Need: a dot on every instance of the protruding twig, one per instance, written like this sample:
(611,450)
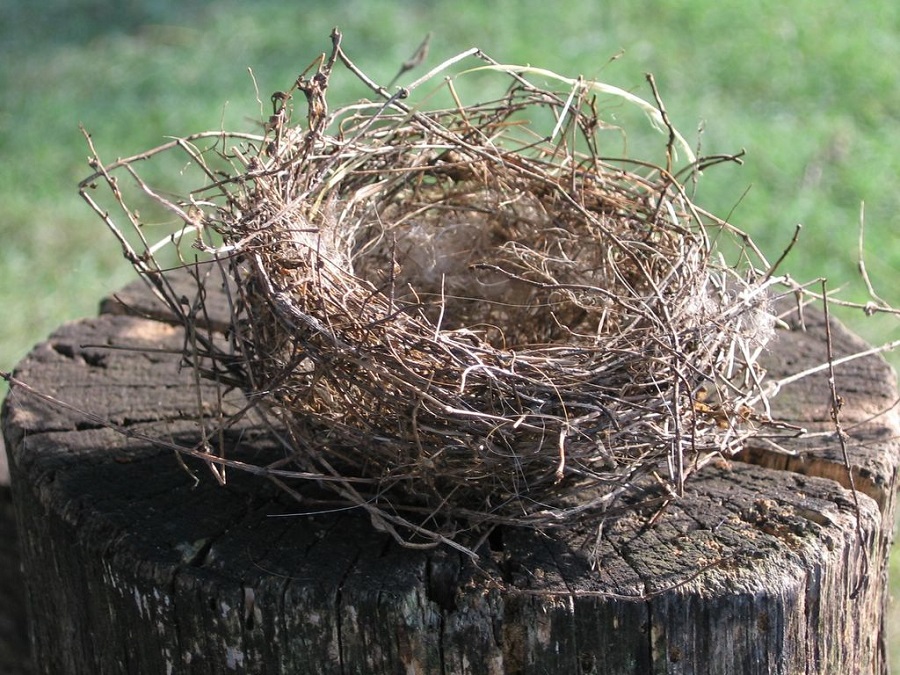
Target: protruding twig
(413,61)
(837,403)
(878,303)
(673,135)
(784,254)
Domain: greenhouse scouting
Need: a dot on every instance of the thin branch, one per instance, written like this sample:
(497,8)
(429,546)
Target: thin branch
(837,403)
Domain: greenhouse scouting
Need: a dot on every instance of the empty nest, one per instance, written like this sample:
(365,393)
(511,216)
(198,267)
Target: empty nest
(457,319)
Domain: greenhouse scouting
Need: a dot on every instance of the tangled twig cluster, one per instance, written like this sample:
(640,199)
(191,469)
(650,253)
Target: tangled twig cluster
(456,319)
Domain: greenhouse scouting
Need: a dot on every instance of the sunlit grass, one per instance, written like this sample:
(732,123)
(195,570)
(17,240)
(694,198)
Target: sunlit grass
(809,94)
(809,89)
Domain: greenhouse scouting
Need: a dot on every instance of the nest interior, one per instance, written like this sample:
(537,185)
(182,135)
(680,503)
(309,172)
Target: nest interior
(462,321)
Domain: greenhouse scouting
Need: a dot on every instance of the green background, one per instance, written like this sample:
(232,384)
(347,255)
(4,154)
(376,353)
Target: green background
(810,89)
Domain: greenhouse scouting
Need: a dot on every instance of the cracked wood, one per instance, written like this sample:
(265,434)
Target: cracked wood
(137,563)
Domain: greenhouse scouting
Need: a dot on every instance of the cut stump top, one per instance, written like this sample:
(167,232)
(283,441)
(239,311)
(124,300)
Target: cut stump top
(136,561)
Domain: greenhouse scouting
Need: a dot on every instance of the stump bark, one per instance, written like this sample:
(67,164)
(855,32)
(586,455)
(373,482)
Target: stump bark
(137,562)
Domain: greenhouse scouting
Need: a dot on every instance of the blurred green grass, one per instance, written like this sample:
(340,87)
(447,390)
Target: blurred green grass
(809,89)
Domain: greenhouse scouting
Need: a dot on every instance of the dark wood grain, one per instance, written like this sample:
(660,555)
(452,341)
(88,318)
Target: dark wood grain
(14,651)
(137,563)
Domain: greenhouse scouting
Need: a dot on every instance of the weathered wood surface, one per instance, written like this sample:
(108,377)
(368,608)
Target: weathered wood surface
(14,655)
(135,565)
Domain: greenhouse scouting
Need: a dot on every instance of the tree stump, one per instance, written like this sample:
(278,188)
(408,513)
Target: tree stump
(138,562)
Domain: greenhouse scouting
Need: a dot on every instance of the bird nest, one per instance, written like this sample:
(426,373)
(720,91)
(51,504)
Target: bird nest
(458,319)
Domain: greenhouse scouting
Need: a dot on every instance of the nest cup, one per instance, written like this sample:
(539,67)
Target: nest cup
(461,321)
